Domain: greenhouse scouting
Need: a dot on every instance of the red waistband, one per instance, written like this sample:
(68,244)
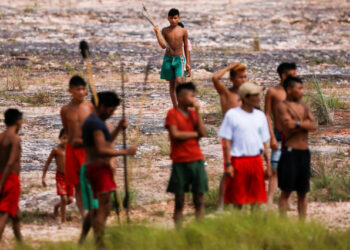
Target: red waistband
(246,157)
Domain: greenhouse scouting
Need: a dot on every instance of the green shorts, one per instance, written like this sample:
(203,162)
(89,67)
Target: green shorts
(173,66)
(186,174)
(88,199)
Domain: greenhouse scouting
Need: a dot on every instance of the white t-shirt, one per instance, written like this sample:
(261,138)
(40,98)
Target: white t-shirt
(247,131)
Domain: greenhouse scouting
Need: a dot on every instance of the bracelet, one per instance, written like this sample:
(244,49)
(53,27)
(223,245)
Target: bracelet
(298,124)
(227,164)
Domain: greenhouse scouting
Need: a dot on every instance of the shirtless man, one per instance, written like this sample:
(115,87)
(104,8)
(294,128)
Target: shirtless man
(174,62)
(73,116)
(274,96)
(229,98)
(10,187)
(294,166)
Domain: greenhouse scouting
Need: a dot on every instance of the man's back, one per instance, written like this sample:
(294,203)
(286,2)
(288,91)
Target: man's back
(6,143)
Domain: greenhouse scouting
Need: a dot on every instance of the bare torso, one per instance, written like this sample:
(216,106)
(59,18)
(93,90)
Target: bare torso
(229,100)
(296,138)
(60,158)
(175,38)
(73,117)
(278,94)
(6,143)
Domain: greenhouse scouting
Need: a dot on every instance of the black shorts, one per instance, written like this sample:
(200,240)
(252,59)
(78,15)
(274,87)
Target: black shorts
(294,170)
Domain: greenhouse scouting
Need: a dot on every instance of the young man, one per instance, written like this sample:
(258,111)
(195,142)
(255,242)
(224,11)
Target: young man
(294,166)
(73,116)
(186,127)
(273,97)
(174,62)
(97,141)
(10,187)
(246,136)
(229,98)
(64,190)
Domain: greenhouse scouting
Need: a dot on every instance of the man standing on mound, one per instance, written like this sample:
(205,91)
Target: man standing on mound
(246,136)
(174,63)
(294,166)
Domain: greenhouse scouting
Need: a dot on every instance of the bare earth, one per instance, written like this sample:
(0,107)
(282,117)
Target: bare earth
(39,52)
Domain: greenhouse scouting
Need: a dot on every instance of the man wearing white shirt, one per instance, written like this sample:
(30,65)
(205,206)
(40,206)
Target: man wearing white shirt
(246,134)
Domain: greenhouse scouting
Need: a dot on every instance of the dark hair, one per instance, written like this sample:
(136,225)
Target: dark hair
(181,24)
(291,81)
(107,99)
(187,86)
(12,116)
(61,133)
(76,81)
(285,67)
(174,12)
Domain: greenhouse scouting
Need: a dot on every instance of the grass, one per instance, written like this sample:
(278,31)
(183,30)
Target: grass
(40,97)
(235,230)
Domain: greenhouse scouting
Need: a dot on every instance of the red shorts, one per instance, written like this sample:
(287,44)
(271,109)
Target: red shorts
(100,177)
(63,188)
(9,196)
(248,182)
(75,158)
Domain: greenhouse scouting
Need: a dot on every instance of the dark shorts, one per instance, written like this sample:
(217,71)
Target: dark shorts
(186,174)
(294,170)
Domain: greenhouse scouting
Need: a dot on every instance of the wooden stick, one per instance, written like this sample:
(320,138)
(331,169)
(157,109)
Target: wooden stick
(84,49)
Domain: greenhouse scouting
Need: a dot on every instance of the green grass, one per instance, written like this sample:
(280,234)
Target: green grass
(235,230)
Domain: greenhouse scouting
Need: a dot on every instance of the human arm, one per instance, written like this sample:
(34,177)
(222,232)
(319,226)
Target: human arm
(309,123)
(46,166)
(123,124)
(64,120)
(12,161)
(187,54)
(268,107)
(104,150)
(219,86)
(177,134)
(160,37)
(202,132)
(268,171)
(227,154)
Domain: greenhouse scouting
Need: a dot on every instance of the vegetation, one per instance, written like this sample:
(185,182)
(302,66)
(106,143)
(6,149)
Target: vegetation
(234,230)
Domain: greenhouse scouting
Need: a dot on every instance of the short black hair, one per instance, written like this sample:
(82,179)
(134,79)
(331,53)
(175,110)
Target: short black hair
(181,24)
(174,12)
(76,81)
(61,133)
(12,116)
(291,81)
(187,86)
(107,99)
(285,67)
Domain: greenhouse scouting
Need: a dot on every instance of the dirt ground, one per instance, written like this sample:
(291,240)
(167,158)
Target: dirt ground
(39,53)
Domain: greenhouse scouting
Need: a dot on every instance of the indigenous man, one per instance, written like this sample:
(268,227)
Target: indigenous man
(246,136)
(274,96)
(97,141)
(229,98)
(186,127)
(64,190)
(73,116)
(294,166)
(10,187)
(174,62)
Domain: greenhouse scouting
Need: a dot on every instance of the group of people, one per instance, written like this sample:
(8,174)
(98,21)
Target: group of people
(86,149)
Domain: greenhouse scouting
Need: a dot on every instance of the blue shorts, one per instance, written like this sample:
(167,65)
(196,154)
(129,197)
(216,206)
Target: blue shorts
(276,154)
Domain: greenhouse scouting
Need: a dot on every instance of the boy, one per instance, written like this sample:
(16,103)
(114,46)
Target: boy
(73,116)
(229,98)
(274,96)
(246,136)
(185,126)
(10,187)
(294,166)
(174,62)
(64,190)
(97,142)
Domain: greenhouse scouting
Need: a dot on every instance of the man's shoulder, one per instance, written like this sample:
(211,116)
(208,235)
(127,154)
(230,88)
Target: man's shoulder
(233,111)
